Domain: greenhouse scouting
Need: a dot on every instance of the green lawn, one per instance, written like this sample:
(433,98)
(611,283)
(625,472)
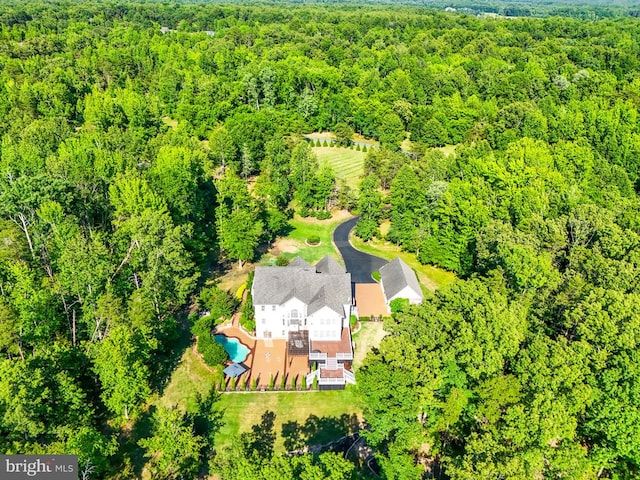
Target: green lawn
(429,276)
(190,377)
(293,245)
(299,418)
(347,164)
(370,335)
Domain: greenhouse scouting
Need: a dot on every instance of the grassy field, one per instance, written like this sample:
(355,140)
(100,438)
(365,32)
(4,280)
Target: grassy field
(190,377)
(429,276)
(299,418)
(294,244)
(370,335)
(311,417)
(347,164)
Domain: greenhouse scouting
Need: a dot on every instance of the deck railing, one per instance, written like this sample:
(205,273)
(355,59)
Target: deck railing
(331,381)
(344,356)
(317,356)
(349,377)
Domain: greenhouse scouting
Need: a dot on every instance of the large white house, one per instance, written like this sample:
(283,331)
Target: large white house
(310,307)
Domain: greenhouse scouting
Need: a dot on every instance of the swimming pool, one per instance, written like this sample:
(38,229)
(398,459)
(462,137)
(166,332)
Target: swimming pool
(236,350)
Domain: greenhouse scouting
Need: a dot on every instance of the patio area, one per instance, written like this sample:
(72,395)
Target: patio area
(370,300)
(268,358)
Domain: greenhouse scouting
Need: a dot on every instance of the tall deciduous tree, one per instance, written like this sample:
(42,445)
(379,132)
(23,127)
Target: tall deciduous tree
(120,364)
(173,449)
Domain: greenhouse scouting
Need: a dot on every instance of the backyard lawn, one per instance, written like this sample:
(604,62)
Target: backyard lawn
(299,419)
(368,336)
(188,379)
(347,164)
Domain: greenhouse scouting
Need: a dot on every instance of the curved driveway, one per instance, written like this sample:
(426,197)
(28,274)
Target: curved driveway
(359,264)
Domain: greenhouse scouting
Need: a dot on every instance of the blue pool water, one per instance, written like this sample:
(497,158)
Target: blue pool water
(236,350)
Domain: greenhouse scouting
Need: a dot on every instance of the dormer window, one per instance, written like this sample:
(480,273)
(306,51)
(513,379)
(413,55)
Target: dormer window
(294,313)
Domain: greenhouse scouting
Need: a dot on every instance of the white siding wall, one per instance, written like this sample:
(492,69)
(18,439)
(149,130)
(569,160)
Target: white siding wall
(325,324)
(275,321)
(409,293)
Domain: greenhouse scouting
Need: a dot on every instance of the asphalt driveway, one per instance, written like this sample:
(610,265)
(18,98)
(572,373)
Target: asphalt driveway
(359,264)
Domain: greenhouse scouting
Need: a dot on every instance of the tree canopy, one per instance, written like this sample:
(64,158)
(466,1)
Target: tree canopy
(136,159)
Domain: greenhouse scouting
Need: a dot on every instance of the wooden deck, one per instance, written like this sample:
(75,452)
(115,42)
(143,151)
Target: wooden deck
(331,348)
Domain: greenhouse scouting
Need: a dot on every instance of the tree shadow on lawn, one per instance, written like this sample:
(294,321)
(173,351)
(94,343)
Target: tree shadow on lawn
(168,357)
(131,459)
(318,431)
(260,440)
(207,420)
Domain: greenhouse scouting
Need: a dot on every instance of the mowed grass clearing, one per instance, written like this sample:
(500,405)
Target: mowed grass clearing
(241,411)
(347,164)
(367,337)
(295,243)
(189,378)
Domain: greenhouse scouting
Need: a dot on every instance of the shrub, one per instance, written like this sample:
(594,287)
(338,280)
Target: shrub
(282,261)
(247,319)
(233,383)
(399,305)
(324,144)
(353,320)
(315,382)
(304,382)
(323,214)
(313,240)
(254,384)
(272,382)
(358,147)
(376,276)
(212,352)
(283,383)
(294,381)
(364,148)
(305,212)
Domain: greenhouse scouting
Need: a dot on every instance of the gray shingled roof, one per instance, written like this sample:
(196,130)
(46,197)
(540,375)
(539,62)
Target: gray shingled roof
(329,265)
(276,285)
(298,262)
(397,275)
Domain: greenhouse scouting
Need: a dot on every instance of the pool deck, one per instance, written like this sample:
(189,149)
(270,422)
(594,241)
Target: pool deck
(266,358)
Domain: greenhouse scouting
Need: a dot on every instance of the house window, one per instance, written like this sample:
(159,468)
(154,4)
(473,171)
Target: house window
(262,308)
(273,308)
(264,321)
(294,313)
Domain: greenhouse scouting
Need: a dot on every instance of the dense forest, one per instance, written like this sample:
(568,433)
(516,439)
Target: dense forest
(134,159)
